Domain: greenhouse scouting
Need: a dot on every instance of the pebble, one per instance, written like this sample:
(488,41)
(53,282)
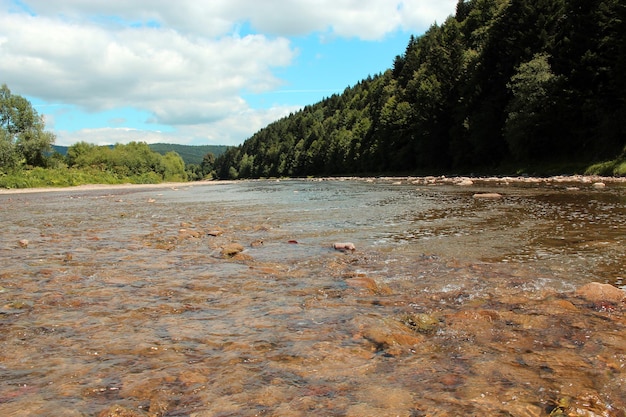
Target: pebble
(344,246)
(231,250)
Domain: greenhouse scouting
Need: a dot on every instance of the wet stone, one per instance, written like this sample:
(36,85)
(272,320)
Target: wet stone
(120,411)
(231,249)
(596,291)
(344,246)
(487,196)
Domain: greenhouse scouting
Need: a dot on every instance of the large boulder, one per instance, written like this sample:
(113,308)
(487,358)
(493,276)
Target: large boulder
(597,292)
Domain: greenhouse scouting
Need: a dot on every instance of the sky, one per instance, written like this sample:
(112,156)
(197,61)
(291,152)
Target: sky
(194,72)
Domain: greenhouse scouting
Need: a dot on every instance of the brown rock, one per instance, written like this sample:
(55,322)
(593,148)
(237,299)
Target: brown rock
(215,233)
(369,284)
(257,243)
(596,291)
(344,246)
(491,196)
(187,234)
(119,411)
(192,378)
(23,243)
(389,334)
(231,250)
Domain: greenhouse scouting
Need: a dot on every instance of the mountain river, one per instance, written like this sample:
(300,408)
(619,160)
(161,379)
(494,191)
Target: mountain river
(229,299)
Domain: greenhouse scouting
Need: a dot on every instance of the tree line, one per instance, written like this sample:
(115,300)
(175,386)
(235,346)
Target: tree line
(23,138)
(27,159)
(500,83)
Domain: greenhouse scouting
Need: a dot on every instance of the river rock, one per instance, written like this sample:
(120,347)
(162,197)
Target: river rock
(187,234)
(369,284)
(390,335)
(23,243)
(344,246)
(119,411)
(256,243)
(596,292)
(491,196)
(231,250)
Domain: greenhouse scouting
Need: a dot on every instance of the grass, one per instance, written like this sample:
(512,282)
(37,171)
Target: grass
(616,167)
(67,177)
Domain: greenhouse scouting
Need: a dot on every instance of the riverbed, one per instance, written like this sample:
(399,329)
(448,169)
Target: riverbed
(462,297)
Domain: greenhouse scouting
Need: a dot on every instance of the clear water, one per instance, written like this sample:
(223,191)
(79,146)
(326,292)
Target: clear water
(122,302)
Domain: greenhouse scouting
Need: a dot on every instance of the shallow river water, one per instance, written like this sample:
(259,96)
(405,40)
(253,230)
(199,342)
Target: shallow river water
(140,302)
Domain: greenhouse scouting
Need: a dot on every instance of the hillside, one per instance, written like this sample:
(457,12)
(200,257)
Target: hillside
(190,154)
(500,86)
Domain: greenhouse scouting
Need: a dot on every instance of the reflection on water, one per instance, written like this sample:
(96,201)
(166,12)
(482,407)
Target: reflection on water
(123,302)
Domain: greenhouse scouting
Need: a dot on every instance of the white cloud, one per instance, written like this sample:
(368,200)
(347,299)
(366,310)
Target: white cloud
(155,69)
(184,62)
(227,131)
(365,19)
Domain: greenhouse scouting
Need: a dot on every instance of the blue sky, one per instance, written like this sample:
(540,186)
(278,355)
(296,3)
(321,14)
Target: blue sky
(195,72)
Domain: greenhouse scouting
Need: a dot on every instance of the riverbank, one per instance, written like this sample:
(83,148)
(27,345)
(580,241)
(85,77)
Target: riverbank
(91,187)
(586,180)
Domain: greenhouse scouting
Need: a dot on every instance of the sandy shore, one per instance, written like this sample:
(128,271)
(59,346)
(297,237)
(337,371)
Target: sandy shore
(429,180)
(89,187)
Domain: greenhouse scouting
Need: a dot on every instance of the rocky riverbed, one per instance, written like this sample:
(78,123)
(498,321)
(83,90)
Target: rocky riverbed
(233,299)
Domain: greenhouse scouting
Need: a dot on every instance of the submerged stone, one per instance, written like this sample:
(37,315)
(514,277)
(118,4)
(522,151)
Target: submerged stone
(596,291)
(420,322)
(344,246)
(231,250)
(119,411)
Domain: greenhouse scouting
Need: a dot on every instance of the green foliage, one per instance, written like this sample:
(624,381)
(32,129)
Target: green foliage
(134,160)
(616,167)
(503,83)
(9,156)
(58,177)
(23,139)
(528,127)
(190,154)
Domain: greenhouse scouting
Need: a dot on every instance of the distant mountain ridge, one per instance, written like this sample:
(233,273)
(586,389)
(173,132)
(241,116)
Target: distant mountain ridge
(191,154)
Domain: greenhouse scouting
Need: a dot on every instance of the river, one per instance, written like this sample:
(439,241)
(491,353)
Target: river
(228,299)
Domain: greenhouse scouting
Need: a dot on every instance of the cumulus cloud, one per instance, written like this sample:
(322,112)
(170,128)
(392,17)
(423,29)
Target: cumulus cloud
(365,19)
(184,62)
(156,69)
(227,131)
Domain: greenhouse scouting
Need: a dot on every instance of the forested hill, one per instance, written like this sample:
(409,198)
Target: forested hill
(191,154)
(501,83)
